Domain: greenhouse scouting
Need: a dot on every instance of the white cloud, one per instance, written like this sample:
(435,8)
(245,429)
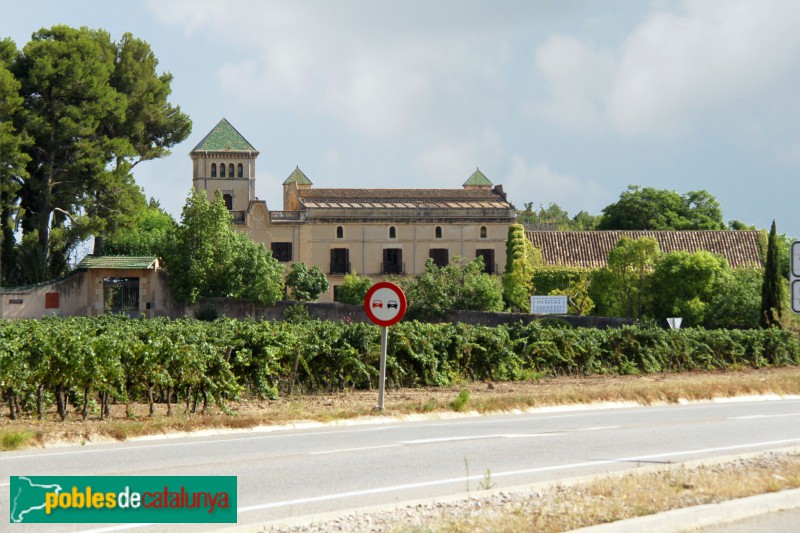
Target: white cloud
(380,69)
(456,159)
(579,77)
(541,185)
(707,61)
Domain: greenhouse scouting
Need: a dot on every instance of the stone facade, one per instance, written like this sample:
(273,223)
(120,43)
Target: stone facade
(374,232)
(130,285)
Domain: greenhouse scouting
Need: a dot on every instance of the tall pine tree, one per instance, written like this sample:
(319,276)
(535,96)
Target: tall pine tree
(771,290)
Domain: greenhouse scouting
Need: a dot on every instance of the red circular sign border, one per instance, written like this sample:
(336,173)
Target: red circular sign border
(403,303)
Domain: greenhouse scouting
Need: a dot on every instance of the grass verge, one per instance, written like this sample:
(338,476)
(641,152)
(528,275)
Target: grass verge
(609,499)
(481,397)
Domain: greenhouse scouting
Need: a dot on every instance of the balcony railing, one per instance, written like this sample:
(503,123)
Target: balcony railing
(339,269)
(393,268)
(238,216)
(285,216)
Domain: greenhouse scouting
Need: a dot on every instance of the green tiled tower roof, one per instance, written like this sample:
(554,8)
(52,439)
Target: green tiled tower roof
(478,179)
(297,177)
(224,138)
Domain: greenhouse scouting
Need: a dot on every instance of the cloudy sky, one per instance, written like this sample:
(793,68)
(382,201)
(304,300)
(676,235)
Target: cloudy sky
(559,101)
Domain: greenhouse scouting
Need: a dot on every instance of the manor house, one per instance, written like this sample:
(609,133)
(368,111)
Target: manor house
(374,232)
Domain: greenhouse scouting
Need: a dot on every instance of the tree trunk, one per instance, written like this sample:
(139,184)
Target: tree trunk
(85,410)
(60,407)
(150,400)
(40,402)
(12,412)
(169,401)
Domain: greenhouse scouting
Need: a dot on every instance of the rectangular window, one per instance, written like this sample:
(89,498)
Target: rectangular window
(282,251)
(393,261)
(488,260)
(340,261)
(440,256)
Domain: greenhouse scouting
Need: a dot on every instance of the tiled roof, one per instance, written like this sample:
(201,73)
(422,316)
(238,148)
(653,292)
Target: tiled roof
(403,198)
(224,138)
(297,177)
(479,179)
(589,249)
(120,262)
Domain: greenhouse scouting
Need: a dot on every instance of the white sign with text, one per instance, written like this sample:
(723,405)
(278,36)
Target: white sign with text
(549,305)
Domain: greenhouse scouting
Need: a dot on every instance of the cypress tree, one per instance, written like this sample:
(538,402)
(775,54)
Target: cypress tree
(771,294)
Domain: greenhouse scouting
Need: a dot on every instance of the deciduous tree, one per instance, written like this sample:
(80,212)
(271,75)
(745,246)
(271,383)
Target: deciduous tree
(624,282)
(354,289)
(305,284)
(207,257)
(653,209)
(455,287)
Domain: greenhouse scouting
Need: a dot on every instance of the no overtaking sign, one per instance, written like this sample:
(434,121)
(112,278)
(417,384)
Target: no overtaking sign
(385,304)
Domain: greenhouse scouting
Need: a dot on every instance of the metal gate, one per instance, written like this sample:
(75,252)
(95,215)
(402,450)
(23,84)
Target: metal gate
(121,295)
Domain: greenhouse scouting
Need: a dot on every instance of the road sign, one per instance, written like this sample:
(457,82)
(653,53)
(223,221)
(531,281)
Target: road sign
(794,276)
(385,303)
(795,260)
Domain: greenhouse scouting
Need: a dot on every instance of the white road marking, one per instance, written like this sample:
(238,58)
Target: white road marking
(598,428)
(364,449)
(433,483)
(479,437)
(753,417)
(115,528)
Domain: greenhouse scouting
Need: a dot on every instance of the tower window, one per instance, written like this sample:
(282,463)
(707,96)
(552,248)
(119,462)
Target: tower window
(222,170)
(392,232)
(339,232)
(438,232)
(213,170)
(230,170)
(483,232)
(240,171)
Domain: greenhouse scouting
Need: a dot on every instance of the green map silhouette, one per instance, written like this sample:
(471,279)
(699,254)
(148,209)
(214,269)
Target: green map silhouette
(27,497)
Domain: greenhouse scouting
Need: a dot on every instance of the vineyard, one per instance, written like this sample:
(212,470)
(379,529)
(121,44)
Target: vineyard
(86,363)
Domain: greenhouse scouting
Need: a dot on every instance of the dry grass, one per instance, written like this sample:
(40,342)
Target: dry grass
(617,497)
(482,397)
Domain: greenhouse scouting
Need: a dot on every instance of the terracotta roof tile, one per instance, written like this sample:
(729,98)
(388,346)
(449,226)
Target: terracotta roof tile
(398,195)
(589,249)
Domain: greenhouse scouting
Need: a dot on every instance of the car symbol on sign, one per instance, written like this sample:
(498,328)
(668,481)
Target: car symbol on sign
(391,304)
(377,303)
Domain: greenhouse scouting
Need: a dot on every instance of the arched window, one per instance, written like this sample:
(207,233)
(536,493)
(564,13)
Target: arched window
(392,232)
(438,232)
(230,170)
(228,201)
(213,170)
(339,232)
(483,232)
(241,171)
(222,170)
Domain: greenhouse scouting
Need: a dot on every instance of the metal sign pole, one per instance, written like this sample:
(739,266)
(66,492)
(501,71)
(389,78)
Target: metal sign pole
(382,378)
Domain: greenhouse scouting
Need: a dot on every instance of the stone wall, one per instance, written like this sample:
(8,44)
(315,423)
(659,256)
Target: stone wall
(337,312)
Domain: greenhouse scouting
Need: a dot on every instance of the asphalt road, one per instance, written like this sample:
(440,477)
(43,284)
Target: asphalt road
(290,473)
